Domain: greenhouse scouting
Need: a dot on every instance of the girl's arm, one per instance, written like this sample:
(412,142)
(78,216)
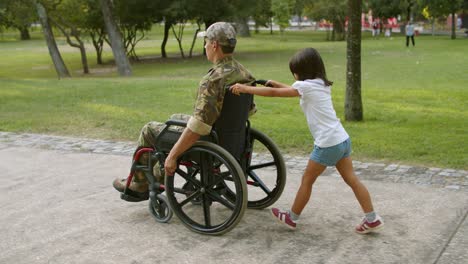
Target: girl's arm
(275,84)
(286,91)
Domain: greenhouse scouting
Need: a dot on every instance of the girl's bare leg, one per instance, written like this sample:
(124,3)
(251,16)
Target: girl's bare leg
(345,168)
(313,170)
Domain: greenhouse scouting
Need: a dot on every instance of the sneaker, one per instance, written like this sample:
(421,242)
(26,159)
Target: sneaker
(367,227)
(283,217)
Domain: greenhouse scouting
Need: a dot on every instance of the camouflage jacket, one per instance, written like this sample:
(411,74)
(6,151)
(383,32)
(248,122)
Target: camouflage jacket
(211,91)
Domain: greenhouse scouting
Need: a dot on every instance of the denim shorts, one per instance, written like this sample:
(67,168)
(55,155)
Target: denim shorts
(329,156)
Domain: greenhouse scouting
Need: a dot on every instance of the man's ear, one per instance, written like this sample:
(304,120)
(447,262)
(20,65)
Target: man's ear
(215,44)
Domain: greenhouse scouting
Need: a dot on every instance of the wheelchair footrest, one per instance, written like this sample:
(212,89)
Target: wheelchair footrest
(131,198)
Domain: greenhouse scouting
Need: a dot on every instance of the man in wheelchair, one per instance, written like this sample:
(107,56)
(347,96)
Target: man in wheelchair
(215,108)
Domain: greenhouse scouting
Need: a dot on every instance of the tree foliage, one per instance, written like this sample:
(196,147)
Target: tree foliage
(282,10)
(385,8)
(18,14)
(437,8)
(135,18)
(263,14)
(331,10)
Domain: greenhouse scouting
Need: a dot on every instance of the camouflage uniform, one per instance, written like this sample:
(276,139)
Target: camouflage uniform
(211,91)
(151,130)
(147,138)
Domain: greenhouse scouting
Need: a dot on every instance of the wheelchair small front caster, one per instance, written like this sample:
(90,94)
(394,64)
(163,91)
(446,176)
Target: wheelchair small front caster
(159,208)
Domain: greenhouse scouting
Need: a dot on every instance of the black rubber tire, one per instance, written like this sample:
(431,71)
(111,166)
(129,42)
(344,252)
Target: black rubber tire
(159,209)
(277,165)
(211,167)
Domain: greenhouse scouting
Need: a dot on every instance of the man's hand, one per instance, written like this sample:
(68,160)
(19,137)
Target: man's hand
(186,140)
(170,166)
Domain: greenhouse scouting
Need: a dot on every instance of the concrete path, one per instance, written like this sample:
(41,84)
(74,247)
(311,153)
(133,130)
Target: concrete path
(58,206)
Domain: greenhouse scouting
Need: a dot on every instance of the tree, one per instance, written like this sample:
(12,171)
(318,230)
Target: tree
(465,15)
(18,14)
(331,10)
(298,9)
(95,26)
(438,8)
(60,67)
(135,19)
(123,65)
(204,12)
(408,5)
(263,14)
(282,11)
(70,18)
(353,100)
(241,11)
(176,15)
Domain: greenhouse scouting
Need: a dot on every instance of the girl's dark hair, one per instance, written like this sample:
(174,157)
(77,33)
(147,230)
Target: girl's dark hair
(308,64)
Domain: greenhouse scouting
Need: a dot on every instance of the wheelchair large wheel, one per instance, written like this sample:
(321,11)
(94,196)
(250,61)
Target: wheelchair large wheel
(210,171)
(266,171)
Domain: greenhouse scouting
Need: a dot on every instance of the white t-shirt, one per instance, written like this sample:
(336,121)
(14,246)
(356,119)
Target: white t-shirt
(321,117)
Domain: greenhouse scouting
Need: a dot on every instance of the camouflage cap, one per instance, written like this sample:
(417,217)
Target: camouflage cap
(222,32)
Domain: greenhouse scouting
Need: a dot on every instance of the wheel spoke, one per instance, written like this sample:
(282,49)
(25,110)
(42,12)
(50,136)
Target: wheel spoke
(190,178)
(206,168)
(191,197)
(218,198)
(223,177)
(257,179)
(206,210)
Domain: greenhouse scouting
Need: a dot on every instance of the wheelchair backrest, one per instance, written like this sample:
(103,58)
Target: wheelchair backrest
(231,124)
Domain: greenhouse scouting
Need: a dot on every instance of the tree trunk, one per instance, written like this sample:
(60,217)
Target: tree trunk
(24,31)
(242,27)
(433,29)
(80,45)
(271,25)
(60,66)
(353,101)
(178,35)
(194,40)
(84,59)
(454,19)
(123,64)
(97,38)
(167,27)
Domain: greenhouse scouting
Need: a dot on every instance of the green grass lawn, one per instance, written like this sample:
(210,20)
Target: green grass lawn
(415,99)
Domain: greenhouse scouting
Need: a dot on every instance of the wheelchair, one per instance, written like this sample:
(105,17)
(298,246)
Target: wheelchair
(212,187)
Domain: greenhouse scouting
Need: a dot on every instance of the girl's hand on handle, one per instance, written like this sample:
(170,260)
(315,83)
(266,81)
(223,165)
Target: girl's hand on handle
(237,89)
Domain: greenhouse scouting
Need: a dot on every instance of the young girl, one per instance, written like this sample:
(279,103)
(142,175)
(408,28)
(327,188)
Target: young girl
(332,145)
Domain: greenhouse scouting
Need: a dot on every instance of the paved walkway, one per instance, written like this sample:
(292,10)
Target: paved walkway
(396,173)
(57,206)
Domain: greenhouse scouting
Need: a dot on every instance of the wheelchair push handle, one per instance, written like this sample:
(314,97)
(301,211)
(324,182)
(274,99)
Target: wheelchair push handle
(259,81)
(263,82)
(175,122)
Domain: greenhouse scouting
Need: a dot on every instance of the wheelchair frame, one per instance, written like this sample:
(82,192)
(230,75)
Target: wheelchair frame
(209,190)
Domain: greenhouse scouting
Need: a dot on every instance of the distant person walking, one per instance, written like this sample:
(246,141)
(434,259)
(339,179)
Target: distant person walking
(375,28)
(409,33)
